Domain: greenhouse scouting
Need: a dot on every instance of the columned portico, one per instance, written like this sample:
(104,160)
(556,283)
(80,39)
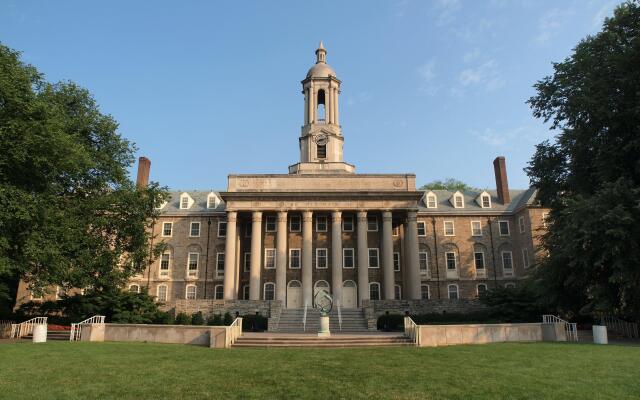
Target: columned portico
(256,256)
(281,257)
(387,256)
(307,258)
(230,260)
(413,269)
(363,258)
(336,256)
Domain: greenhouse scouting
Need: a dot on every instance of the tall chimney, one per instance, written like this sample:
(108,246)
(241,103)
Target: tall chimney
(502,184)
(144,165)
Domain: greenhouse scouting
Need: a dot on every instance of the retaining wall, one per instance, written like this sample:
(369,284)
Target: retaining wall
(446,335)
(212,336)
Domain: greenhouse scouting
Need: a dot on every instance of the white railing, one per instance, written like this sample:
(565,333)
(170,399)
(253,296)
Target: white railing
(570,328)
(25,328)
(626,329)
(233,332)
(339,317)
(76,329)
(5,327)
(412,330)
(304,318)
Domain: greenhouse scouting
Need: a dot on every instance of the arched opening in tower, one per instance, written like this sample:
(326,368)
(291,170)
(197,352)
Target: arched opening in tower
(320,110)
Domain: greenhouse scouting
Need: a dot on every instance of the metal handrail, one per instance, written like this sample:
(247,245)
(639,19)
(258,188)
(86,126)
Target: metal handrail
(26,327)
(570,328)
(339,316)
(76,329)
(304,318)
(412,330)
(625,328)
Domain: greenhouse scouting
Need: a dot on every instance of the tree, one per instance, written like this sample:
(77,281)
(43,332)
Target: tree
(449,184)
(69,215)
(590,175)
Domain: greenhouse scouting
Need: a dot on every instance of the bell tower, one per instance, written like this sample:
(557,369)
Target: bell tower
(321,139)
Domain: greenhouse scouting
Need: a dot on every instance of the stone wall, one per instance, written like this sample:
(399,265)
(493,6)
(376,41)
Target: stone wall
(446,335)
(269,309)
(212,336)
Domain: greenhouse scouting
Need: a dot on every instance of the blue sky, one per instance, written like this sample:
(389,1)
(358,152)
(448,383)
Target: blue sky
(437,88)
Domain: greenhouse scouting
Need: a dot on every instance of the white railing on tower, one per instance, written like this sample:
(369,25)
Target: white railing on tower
(76,329)
(304,318)
(625,328)
(233,332)
(570,328)
(412,330)
(25,328)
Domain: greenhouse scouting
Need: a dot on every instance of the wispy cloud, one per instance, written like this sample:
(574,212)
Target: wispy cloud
(485,74)
(446,11)
(503,138)
(604,11)
(550,23)
(427,73)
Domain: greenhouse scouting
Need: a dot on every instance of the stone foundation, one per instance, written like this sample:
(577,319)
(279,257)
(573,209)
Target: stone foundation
(269,309)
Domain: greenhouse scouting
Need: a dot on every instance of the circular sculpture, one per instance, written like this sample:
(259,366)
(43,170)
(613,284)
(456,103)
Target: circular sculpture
(323,302)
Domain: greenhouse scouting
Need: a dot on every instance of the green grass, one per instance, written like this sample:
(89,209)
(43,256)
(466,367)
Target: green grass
(65,370)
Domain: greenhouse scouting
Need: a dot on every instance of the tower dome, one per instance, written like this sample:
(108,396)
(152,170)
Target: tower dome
(321,69)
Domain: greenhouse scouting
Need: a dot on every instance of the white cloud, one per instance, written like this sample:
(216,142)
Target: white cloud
(427,72)
(550,23)
(486,75)
(605,11)
(513,136)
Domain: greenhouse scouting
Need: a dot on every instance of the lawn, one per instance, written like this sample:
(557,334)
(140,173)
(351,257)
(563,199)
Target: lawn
(65,370)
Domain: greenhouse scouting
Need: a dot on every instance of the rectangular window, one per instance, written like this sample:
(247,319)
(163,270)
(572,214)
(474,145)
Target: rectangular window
(397,292)
(521,225)
(451,261)
(247,261)
(222,229)
(162,293)
(192,269)
(269,258)
(347,223)
(504,228)
(167,229)
(164,264)
(321,224)
(423,260)
(294,258)
(321,258)
(507,263)
(294,223)
(478,258)
(374,261)
(424,292)
(453,291)
(195,229)
(396,230)
(449,229)
(191,292)
(459,201)
(211,201)
(348,258)
(422,230)
(270,224)
(372,223)
(219,292)
(431,201)
(525,258)
(486,201)
(396,261)
(476,228)
(184,202)
(220,264)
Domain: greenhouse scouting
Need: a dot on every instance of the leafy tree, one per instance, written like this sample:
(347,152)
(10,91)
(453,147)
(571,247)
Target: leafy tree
(590,174)
(450,184)
(69,215)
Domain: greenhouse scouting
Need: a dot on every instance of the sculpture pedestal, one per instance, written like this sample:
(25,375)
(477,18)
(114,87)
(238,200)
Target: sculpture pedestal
(324,326)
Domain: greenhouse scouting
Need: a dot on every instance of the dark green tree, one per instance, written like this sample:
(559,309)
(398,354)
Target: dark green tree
(450,184)
(590,175)
(69,214)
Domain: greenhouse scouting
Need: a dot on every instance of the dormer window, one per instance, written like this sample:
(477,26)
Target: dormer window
(458,200)
(212,201)
(484,200)
(185,201)
(431,200)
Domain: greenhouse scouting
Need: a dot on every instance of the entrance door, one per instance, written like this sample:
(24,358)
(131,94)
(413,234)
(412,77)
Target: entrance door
(320,285)
(294,294)
(349,295)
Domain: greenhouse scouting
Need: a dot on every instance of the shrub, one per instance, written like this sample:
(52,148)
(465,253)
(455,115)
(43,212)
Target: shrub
(163,318)
(215,320)
(197,318)
(391,322)
(183,319)
(228,319)
(254,322)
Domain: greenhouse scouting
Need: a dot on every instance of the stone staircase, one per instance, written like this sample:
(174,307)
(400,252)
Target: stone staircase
(52,335)
(291,321)
(311,340)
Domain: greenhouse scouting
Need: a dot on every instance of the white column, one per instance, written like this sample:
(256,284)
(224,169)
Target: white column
(387,256)
(307,258)
(256,255)
(329,104)
(229,257)
(306,106)
(336,256)
(281,260)
(411,257)
(363,258)
(337,107)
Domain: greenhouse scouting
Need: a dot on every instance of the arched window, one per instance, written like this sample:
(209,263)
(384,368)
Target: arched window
(397,291)
(320,110)
(374,291)
(453,291)
(424,292)
(162,293)
(190,292)
(481,289)
(269,291)
(134,288)
(218,292)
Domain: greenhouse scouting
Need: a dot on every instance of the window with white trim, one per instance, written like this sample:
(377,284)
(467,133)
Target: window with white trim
(372,223)
(162,293)
(165,264)
(134,288)
(422,230)
(485,201)
(269,291)
(451,258)
(167,229)
(481,289)
(397,292)
(521,225)
(432,201)
(212,201)
(503,228)
(220,264)
(347,223)
(184,202)
(190,292)
(507,263)
(396,261)
(423,261)
(269,258)
(192,265)
(218,292)
(458,201)
(449,228)
(321,258)
(321,223)
(222,229)
(247,261)
(476,228)
(374,259)
(194,230)
(270,223)
(374,291)
(424,292)
(452,290)
(478,260)
(525,258)
(295,224)
(348,259)
(294,258)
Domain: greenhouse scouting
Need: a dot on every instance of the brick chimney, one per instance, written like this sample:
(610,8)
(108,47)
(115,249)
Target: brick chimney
(502,184)
(144,165)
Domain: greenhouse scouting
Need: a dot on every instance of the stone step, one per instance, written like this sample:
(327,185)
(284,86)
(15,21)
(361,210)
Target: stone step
(52,335)
(331,341)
